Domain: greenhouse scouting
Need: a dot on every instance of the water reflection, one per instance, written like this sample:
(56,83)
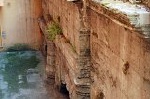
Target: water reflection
(13,70)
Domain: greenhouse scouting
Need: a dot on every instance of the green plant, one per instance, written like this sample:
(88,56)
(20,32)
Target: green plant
(53,29)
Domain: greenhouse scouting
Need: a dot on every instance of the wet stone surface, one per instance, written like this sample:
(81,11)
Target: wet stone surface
(22,77)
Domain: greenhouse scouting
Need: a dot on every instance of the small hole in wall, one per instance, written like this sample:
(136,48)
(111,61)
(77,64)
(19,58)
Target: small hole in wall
(126,68)
(125,29)
(100,95)
(58,19)
(46,48)
(95,34)
(63,89)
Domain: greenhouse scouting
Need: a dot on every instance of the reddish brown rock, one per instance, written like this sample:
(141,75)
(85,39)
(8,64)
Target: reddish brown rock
(100,55)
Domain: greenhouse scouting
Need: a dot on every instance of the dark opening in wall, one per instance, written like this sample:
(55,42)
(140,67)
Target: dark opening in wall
(100,95)
(126,68)
(45,48)
(63,89)
(58,19)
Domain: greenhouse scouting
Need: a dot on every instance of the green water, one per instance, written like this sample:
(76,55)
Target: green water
(13,71)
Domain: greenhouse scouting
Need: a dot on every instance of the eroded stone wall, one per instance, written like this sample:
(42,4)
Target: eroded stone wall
(72,51)
(100,55)
(67,15)
(120,60)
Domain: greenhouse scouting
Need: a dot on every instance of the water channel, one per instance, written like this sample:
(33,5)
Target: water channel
(22,77)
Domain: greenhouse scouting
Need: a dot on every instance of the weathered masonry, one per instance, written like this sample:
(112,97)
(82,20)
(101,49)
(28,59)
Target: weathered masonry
(18,22)
(104,50)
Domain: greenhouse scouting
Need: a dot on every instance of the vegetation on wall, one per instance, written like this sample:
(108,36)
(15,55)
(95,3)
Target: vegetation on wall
(53,29)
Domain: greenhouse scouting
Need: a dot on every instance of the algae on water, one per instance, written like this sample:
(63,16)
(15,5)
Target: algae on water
(13,68)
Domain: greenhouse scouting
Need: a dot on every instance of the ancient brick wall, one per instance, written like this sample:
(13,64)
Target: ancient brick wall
(100,55)
(120,60)
(19,22)
(71,69)
(66,14)
(66,58)
(72,54)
